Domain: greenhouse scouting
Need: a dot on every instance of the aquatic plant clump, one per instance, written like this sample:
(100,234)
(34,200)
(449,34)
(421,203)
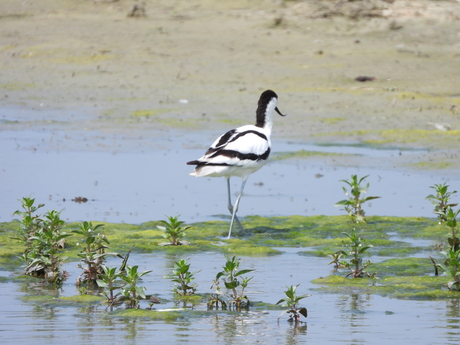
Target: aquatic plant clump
(183,278)
(448,217)
(233,282)
(322,232)
(110,281)
(44,240)
(356,247)
(30,222)
(131,291)
(173,230)
(353,205)
(93,253)
(440,201)
(292,301)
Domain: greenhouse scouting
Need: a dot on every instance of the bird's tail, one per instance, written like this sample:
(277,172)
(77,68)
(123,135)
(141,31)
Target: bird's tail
(194,172)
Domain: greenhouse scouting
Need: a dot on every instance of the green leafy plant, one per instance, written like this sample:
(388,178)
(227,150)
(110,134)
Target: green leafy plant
(448,217)
(46,246)
(355,248)
(183,278)
(173,230)
(133,293)
(336,259)
(440,201)
(452,267)
(43,240)
(292,302)
(93,245)
(217,297)
(353,205)
(233,281)
(30,222)
(451,223)
(110,280)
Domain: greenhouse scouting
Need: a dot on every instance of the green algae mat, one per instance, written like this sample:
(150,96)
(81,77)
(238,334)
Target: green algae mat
(401,250)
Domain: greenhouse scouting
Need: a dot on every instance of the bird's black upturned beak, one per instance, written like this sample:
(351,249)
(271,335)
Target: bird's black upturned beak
(278,111)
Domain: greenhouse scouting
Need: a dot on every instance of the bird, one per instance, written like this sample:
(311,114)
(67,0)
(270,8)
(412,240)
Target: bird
(240,152)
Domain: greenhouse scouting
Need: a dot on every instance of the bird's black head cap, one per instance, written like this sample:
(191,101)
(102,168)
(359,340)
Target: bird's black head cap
(264,99)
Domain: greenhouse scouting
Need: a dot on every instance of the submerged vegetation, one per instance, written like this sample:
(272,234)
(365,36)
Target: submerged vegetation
(110,281)
(42,241)
(355,248)
(131,292)
(234,282)
(448,218)
(441,200)
(292,302)
(183,278)
(92,254)
(173,230)
(354,204)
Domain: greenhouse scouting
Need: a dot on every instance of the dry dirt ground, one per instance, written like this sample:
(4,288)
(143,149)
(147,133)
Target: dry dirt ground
(156,64)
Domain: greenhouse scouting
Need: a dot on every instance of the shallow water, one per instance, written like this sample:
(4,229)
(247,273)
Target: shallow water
(139,176)
(134,179)
(333,318)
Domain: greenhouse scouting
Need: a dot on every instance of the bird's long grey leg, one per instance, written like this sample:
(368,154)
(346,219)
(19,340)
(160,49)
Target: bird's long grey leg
(231,209)
(235,208)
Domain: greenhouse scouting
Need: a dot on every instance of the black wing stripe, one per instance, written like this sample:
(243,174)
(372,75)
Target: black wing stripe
(227,139)
(239,135)
(224,139)
(240,156)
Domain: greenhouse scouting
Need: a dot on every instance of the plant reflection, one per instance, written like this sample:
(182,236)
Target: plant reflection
(293,333)
(453,319)
(353,307)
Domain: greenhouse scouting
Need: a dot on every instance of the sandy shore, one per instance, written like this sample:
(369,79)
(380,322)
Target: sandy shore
(202,64)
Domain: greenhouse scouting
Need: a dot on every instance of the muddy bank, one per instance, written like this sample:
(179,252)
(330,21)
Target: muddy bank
(202,64)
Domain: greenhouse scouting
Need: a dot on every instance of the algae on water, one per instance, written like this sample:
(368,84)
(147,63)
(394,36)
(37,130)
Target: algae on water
(406,243)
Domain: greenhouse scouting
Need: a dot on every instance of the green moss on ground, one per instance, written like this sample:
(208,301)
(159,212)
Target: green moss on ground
(83,299)
(321,234)
(169,315)
(277,156)
(410,278)
(407,274)
(399,136)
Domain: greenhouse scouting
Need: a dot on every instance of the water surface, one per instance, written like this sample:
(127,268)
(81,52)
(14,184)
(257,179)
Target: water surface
(137,180)
(333,318)
(141,175)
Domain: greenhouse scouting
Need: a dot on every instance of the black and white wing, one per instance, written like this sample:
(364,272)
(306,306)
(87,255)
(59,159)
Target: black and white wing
(238,152)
